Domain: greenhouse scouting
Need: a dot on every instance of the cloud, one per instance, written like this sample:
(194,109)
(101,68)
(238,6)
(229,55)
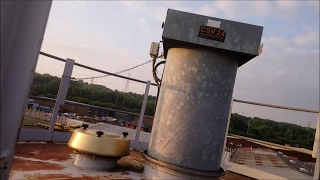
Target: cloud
(160,13)
(157,10)
(284,74)
(142,22)
(206,10)
(80,3)
(238,10)
(275,42)
(280,89)
(308,39)
(137,5)
(241,9)
(171,3)
(275,74)
(291,9)
(288,5)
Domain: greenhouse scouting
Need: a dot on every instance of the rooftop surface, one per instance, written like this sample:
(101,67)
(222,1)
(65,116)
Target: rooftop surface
(271,162)
(55,161)
(258,157)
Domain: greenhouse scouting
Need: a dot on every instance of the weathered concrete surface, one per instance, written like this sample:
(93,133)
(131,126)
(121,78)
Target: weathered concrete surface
(193,108)
(54,161)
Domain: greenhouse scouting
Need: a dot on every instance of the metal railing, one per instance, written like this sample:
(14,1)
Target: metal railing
(97,70)
(146,96)
(40,135)
(276,106)
(56,136)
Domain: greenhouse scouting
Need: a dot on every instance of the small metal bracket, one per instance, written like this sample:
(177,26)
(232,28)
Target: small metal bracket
(260,49)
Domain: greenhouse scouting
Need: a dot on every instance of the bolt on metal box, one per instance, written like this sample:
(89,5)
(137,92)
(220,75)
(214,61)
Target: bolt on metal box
(187,30)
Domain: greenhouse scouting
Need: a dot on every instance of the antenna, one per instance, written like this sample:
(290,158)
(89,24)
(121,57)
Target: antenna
(126,87)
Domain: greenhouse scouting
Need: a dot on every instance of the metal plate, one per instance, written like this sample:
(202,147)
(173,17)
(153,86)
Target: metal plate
(212,33)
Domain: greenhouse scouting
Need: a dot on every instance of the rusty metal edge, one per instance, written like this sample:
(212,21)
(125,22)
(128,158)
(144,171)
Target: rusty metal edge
(218,173)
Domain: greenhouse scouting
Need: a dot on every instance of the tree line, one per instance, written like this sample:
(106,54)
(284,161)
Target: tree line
(272,131)
(98,95)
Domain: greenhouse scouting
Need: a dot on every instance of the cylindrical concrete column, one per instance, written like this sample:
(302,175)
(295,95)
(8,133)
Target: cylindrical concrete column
(193,108)
(23,24)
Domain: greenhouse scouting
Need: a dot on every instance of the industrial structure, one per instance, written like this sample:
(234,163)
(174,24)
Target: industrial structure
(189,135)
(202,57)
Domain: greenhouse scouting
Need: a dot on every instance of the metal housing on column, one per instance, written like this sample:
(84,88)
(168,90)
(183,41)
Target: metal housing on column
(189,129)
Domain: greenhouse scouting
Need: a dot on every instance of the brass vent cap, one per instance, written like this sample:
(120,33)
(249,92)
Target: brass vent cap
(99,143)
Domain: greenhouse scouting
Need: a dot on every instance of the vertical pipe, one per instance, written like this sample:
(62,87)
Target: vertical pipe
(23,24)
(193,109)
(143,109)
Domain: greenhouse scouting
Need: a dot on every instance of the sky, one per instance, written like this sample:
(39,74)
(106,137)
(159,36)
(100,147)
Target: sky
(116,35)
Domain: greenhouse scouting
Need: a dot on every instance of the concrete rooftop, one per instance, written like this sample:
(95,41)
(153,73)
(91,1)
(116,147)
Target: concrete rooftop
(55,161)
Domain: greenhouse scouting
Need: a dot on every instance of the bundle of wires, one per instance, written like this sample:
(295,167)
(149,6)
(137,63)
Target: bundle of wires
(155,77)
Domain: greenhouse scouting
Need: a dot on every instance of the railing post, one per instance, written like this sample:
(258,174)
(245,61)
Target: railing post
(316,150)
(143,108)
(62,93)
(227,130)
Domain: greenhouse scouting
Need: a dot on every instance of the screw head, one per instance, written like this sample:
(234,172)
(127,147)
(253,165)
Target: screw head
(85,126)
(99,133)
(125,134)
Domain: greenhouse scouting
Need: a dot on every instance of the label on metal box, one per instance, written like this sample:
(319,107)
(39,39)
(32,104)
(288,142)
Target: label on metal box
(212,33)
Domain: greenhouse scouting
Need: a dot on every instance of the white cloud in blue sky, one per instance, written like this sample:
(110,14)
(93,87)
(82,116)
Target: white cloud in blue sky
(113,35)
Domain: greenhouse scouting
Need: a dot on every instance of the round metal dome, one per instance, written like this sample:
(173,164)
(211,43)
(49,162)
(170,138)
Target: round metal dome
(99,143)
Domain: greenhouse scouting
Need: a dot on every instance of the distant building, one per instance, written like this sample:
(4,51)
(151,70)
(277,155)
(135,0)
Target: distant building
(81,109)
(146,124)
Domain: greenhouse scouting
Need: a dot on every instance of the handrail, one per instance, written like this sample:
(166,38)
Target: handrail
(276,106)
(97,70)
(140,81)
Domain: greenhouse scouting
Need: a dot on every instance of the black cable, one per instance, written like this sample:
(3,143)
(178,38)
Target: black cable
(157,80)
(159,63)
(155,77)
(154,71)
